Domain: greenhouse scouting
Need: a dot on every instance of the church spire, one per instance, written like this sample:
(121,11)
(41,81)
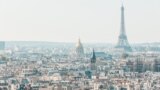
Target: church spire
(93,59)
(93,62)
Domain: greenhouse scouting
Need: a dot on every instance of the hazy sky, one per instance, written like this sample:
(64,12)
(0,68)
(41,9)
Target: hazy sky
(66,20)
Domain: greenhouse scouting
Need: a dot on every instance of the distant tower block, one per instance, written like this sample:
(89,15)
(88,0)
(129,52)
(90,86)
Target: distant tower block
(122,40)
(2,45)
(79,49)
(93,61)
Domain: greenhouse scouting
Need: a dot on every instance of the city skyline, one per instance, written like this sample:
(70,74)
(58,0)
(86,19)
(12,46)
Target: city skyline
(65,21)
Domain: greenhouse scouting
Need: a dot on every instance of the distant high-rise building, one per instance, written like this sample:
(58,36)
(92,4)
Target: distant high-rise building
(123,41)
(93,61)
(157,65)
(2,45)
(140,66)
(79,49)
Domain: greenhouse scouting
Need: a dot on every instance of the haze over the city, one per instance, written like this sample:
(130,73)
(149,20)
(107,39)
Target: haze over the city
(66,20)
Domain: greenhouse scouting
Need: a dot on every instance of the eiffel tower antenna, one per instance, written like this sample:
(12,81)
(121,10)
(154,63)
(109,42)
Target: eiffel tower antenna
(122,3)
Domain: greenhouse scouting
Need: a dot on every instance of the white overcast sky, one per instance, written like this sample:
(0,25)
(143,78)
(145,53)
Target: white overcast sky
(66,20)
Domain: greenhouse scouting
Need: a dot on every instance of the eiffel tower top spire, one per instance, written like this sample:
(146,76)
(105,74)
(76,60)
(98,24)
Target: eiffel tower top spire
(122,20)
(122,3)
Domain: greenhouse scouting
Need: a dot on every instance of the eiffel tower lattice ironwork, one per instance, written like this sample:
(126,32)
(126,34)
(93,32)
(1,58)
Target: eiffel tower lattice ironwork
(122,40)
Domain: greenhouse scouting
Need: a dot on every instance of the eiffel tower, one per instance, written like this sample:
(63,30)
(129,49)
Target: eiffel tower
(122,40)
